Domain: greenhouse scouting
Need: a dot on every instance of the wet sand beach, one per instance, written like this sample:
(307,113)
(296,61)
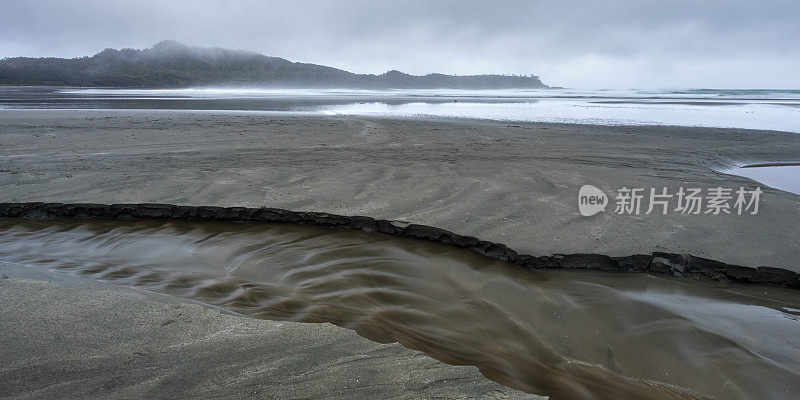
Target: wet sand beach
(66,337)
(405,200)
(512,183)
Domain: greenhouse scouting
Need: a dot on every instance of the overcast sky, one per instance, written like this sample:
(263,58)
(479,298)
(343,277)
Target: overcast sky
(581,44)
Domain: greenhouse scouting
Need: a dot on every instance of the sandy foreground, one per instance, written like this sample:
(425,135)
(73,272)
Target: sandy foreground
(65,337)
(511,183)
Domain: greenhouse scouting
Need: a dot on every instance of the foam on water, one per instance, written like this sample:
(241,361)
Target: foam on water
(750,109)
(735,115)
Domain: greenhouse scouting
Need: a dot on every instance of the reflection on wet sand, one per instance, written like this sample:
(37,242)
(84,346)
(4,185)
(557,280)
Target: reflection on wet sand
(783,176)
(569,335)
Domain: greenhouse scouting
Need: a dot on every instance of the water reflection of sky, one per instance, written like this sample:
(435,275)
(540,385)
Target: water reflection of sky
(785,177)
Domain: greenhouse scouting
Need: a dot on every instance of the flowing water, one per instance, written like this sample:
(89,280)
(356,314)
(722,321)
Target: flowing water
(569,335)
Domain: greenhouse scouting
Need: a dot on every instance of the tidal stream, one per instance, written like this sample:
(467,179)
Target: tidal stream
(564,334)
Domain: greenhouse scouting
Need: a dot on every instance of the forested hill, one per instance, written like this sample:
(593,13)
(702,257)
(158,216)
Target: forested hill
(171,64)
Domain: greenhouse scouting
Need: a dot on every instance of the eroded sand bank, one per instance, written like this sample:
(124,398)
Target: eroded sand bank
(515,184)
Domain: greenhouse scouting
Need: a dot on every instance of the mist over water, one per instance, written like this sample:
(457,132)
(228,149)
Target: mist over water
(750,109)
(569,335)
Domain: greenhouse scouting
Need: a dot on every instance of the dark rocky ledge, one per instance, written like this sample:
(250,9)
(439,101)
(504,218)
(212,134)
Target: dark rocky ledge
(680,265)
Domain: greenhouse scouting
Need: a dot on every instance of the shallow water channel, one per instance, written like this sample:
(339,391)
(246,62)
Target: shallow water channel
(565,334)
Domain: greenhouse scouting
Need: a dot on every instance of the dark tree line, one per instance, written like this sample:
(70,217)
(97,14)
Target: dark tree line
(171,64)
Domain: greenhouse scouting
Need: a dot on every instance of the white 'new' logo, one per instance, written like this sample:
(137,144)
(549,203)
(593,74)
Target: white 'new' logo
(591,200)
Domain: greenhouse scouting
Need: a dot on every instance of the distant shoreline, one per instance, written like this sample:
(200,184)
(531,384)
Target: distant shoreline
(170,64)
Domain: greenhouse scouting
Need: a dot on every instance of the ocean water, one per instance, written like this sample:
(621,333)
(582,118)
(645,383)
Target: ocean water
(750,109)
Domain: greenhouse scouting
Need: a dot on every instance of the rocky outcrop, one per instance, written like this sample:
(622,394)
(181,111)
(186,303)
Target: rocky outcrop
(679,265)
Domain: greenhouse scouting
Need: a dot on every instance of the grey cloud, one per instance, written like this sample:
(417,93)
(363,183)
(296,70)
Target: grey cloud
(677,43)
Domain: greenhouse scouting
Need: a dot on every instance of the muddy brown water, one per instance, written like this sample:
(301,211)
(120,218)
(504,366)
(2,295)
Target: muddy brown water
(565,334)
